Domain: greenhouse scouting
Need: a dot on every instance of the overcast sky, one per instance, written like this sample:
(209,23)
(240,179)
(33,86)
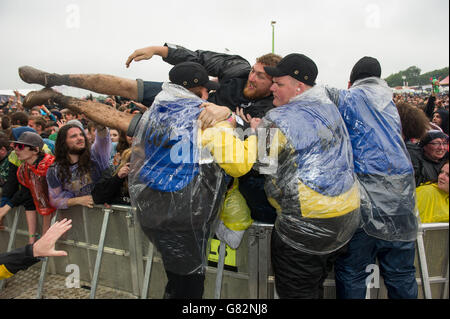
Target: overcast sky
(92,36)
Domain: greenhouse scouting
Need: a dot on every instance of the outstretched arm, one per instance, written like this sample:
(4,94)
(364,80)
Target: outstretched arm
(217,64)
(22,258)
(147,53)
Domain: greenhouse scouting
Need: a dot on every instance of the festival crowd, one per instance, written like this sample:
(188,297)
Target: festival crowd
(352,174)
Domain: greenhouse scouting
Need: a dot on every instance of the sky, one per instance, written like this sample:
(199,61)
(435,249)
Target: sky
(97,36)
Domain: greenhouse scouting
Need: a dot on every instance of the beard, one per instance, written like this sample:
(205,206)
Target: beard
(254,94)
(76,151)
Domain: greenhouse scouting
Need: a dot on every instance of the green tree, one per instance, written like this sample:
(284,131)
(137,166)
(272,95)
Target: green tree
(413,76)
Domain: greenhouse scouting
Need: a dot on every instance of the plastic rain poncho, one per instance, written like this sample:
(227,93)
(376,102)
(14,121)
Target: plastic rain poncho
(174,183)
(34,178)
(381,160)
(310,178)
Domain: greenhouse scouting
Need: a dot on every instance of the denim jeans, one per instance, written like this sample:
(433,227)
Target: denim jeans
(396,264)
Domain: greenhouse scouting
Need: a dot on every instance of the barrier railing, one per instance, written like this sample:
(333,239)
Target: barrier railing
(12,237)
(423,265)
(255,247)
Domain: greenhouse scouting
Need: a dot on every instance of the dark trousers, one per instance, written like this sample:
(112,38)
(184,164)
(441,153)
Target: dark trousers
(183,254)
(396,265)
(184,286)
(299,275)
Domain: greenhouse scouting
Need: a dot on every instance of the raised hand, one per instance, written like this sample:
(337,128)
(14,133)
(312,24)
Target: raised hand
(45,246)
(146,54)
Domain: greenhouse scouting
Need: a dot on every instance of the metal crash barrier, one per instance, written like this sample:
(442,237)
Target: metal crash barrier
(423,262)
(91,227)
(107,245)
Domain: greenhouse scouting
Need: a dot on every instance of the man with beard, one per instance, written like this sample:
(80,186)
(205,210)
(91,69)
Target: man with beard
(174,183)
(77,166)
(241,85)
(243,88)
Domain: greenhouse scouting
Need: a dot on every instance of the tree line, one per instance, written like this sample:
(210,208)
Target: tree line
(413,76)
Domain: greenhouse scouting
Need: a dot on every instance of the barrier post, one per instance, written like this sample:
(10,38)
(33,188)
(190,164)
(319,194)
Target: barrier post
(252,262)
(423,267)
(219,274)
(136,256)
(444,294)
(263,260)
(40,287)
(148,271)
(86,238)
(12,235)
(101,245)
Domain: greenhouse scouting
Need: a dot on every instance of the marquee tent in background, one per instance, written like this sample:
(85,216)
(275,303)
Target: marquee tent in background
(444,82)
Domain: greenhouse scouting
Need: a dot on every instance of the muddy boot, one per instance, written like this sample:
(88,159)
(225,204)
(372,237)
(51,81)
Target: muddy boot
(31,75)
(43,96)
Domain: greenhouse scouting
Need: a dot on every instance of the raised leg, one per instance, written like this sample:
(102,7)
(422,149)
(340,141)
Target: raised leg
(99,83)
(95,111)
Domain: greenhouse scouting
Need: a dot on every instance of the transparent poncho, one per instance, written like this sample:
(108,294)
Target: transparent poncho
(174,183)
(310,178)
(381,160)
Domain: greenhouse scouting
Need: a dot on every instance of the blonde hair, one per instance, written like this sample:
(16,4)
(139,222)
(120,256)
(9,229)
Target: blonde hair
(124,159)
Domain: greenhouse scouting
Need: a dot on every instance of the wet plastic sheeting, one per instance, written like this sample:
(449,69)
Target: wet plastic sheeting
(174,184)
(311,181)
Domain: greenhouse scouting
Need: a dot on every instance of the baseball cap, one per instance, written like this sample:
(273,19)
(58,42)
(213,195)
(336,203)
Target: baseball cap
(364,68)
(191,74)
(30,139)
(296,65)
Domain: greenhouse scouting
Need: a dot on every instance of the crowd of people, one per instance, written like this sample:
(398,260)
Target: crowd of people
(29,137)
(339,178)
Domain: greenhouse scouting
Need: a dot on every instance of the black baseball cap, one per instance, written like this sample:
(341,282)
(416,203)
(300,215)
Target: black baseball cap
(364,68)
(296,65)
(191,74)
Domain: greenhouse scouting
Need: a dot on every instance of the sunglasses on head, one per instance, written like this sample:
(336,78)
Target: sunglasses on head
(19,146)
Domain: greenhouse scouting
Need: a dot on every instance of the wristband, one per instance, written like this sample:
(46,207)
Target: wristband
(231,118)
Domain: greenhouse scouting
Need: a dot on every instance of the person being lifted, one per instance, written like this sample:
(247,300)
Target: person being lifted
(176,180)
(244,89)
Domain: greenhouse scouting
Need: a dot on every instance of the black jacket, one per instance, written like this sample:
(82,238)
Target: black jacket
(232,72)
(425,170)
(15,194)
(110,189)
(18,259)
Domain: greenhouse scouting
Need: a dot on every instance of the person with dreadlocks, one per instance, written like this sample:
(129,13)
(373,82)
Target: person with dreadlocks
(77,167)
